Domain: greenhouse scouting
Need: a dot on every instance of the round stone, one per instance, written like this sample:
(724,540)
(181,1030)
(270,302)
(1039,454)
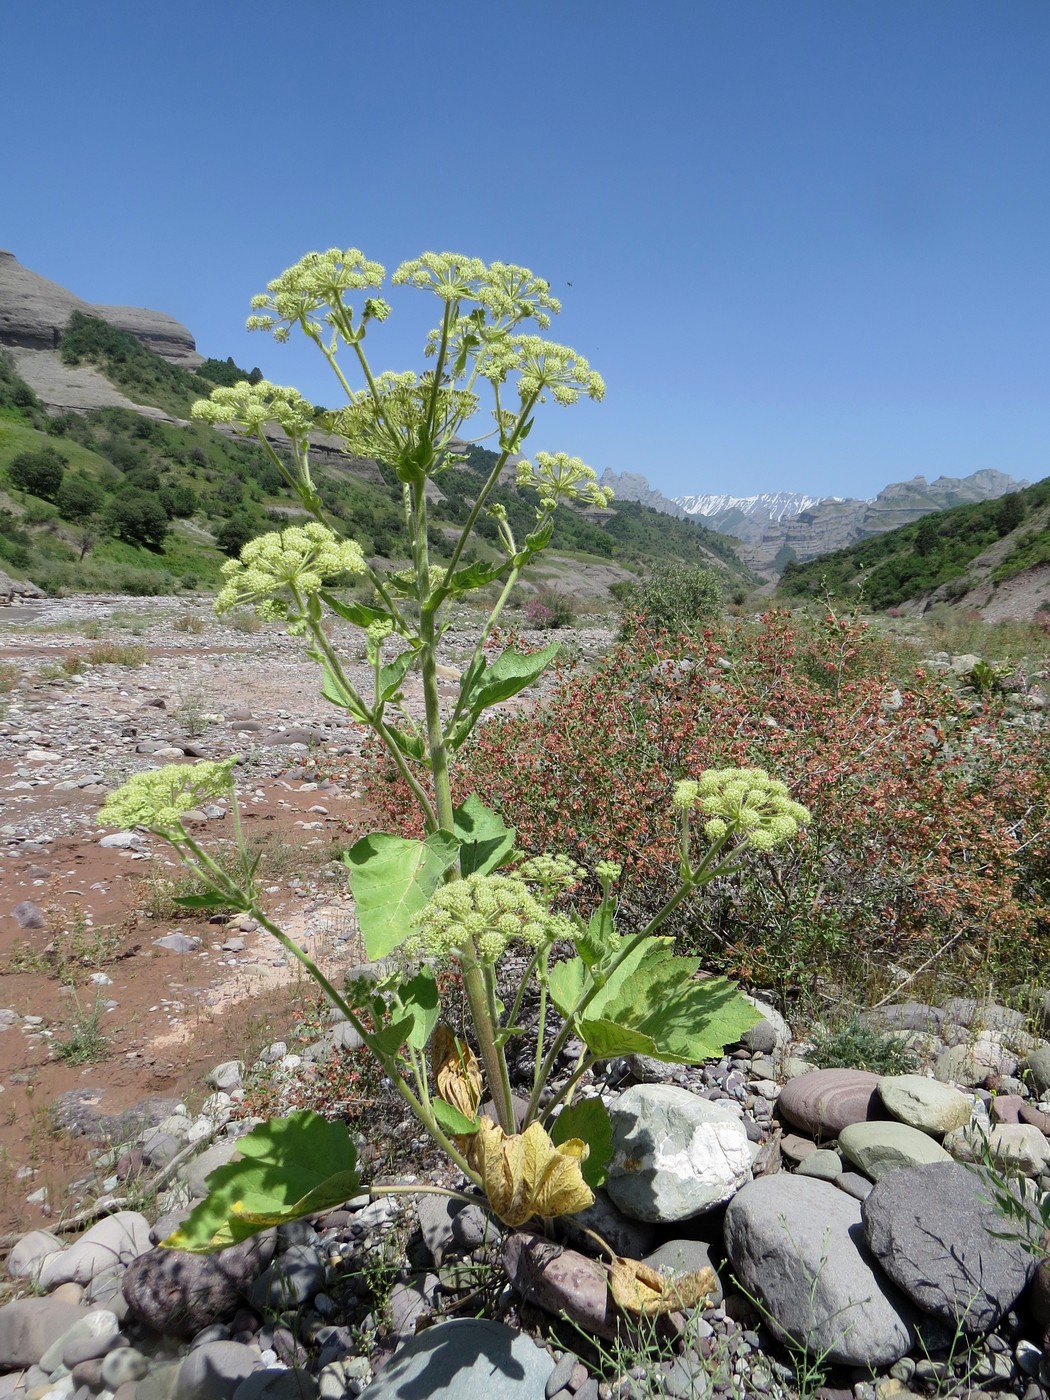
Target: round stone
(923,1103)
(878,1148)
(828,1100)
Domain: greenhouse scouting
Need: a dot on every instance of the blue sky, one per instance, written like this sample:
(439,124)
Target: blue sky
(805,241)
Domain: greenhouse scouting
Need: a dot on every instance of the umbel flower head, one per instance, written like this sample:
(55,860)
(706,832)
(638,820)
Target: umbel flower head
(157,800)
(286,564)
(490,909)
(559,477)
(252,406)
(745,804)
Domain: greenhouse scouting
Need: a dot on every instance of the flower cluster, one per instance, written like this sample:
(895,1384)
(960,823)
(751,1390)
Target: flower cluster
(542,366)
(157,799)
(489,909)
(316,280)
(508,293)
(559,477)
(554,874)
(743,803)
(383,421)
(295,561)
(252,406)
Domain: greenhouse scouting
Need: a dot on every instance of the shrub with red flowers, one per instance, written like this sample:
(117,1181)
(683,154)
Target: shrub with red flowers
(928,853)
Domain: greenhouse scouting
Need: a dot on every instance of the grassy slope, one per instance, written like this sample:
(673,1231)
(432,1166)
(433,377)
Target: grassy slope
(953,549)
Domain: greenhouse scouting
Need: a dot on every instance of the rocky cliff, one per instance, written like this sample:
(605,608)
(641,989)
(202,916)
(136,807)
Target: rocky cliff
(34,312)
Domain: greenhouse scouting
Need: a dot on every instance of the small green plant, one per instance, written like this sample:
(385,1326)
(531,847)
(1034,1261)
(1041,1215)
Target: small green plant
(192,715)
(245,622)
(9,677)
(854,1045)
(72,954)
(86,1043)
(189,622)
(128,654)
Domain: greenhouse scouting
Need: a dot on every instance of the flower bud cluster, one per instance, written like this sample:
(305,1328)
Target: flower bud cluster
(745,804)
(542,366)
(253,406)
(508,293)
(293,561)
(490,910)
(552,873)
(559,477)
(316,280)
(157,799)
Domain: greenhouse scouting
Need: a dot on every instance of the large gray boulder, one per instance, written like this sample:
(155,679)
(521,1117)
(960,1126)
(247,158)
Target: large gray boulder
(796,1244)
(675,1155)
(28,1326)
(932,1229)
(117,1239)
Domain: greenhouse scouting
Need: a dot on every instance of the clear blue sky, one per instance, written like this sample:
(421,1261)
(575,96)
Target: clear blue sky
(807,240)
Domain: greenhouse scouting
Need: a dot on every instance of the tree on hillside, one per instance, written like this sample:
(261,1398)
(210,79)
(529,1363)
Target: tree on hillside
(79,498)
(926,535)
(38,472)
(1011,513)
(137,518)
(234,533)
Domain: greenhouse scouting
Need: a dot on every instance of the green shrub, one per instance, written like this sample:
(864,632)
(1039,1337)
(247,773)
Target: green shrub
(39,473)
(674,598)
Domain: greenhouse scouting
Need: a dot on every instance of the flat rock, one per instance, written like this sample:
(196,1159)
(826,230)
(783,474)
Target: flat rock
(465,1359)
(1038,1066)
(796,1244)
(291,1280)
(675,1155)
(179,1294)
(931,1229)
(28,1326)
(926,1104)
(878,1148)
(29,1253)
(827,1100)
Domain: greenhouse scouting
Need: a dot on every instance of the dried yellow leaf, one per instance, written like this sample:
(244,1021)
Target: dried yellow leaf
(647,1293)
(524,1174)
(456,1071)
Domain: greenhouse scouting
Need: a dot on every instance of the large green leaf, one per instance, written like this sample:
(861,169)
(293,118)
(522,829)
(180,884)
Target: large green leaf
(450,1118)
(291,1167)
(392,675)
(334,690)
(588,1119)
(391,878)
(357,613)
(421,1002)
(509,673)
(486,842)
(653,1004)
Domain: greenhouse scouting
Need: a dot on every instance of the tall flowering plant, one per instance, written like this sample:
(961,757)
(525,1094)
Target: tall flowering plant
(460,892)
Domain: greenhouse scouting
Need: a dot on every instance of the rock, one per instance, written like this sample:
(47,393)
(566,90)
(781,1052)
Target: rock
(124,1364)
(28,1326)
(771,1035)
(970,1063)
(179,1293)
(411,1301)
(1015,1146)
(973,1012)
(1039,1294)
(1006,1108)
(116,1240)
(824,1164)
(878,1148)
(464,1360)
(29,1253)
(905,1016)
(1038,1066)
(194,1174)
(561,1281)
(631,1238)
(931,1229)
(827,1100)
(1035,1118)
(292,1279)
(215,1370)
(229,1075)
(675,1155)
(28,915)
(177,943)
(98,1325)
(278,1384)
(923,1103)
(796,1244)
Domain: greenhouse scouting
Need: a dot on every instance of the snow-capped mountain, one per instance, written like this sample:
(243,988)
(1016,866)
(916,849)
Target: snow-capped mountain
(773,506)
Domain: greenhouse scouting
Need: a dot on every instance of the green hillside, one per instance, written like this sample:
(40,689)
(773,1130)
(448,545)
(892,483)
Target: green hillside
(953,548)
(112,500)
